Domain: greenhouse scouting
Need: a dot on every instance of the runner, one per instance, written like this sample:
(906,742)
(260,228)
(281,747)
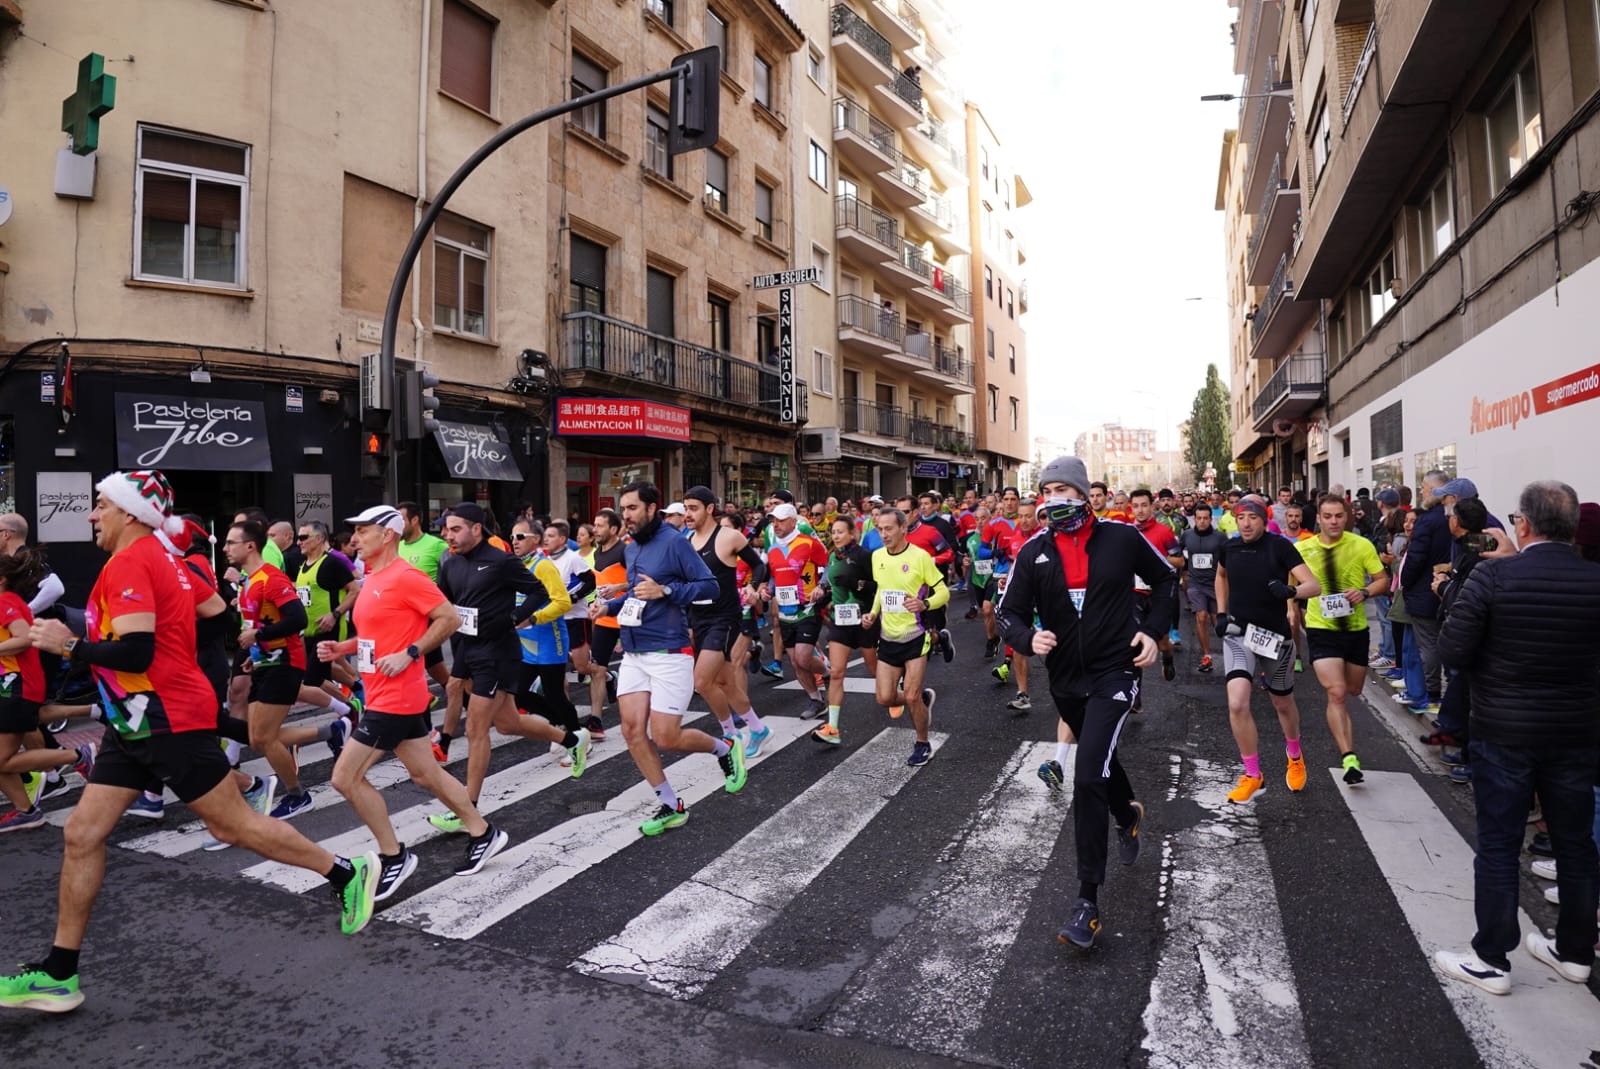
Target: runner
(1053,772)
(542,675)
(664,577)
(399,617)
(327,588)
(909,584)
(1202,547)
(1349,571)
(1258,574)
(1094,650)
(1001,538)
(577,576)
(934,533)
(1165,542)
(852,592)
(423,551)
(980,567)
(795,562)
(162,714)
(1016,666)
(609,568)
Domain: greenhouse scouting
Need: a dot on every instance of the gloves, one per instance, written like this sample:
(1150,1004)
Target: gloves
(1227,627)
(1282,591)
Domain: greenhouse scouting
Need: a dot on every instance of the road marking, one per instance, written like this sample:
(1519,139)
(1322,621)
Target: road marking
(1545,1020)
(526,872)
(929,990)
(1223,990)
(680,943)
(852,685)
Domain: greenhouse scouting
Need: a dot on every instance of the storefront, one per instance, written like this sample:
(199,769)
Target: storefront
(471,461)
(605,443)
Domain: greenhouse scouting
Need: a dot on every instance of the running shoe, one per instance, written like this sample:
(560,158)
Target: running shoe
(1169,667)
(827,733)
(896,712)
(665,817)
(1540,844)
(1298,667)
(358,708)
(1128,837)
(32,787)
(756,740)
(1175,638)
(56,727)
(260,798)
(1461,774)
(1542,948)
(921,754)
(1295,775)
(84,765)
(440,754)
(1452,757)
(1382,663)
(772,669)
(1020,703)
(148,808)
(597,730)
(355,897)
(579,754)
(20,819)
(293,804)
(1393,674)
(732,762)
(815,707)
(990,646)
(1001,673)
(35,989)
(1352,769)
(446,821)
(1082,926)
(394,872)
(1205,665)
(481,849)
(1544,868)
(559,752)
(1246,789)
(1438,738)
(947,648)
(338,731)
(1052,775)
(1467,967)
(1398,684)
(611,687)
(972,614)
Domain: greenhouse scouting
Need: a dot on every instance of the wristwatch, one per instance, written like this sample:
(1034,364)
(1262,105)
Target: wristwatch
(68,646)
(414,653)
(666,591)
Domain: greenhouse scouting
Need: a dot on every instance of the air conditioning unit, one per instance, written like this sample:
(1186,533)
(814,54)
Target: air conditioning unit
(820,445)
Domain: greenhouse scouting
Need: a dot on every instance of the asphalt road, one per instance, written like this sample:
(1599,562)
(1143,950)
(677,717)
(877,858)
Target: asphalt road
(843,910)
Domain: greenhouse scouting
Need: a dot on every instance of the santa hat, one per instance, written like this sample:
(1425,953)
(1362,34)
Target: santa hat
(145,495)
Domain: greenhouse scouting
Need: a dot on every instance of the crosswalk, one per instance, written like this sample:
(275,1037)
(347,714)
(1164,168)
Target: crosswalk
(1223,983)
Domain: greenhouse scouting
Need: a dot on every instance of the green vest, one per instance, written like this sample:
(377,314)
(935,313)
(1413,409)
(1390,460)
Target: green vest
(318,602)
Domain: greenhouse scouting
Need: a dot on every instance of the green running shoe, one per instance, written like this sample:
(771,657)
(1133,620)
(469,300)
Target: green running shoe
(665,817)
(446,821)
(580,753)
(35,989)
(355,898)
(1352,769)
(32,786)
(732,763)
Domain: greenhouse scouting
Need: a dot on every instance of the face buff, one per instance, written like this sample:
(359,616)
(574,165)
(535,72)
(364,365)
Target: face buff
(1063,515)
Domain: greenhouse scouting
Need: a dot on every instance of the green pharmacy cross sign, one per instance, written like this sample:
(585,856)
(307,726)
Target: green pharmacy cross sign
(96,94)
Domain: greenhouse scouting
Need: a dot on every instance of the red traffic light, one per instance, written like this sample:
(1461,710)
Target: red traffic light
(374,444)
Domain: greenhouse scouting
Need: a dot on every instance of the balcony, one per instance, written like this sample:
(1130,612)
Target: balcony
(868,329)
(937,85)
(1274,227)
(1022,297)
(1279,317)
(1297,387)
(950,301)
(924,433)
(930,140)
(618,357)
(946,367)
(1269,137)
(865,232)
(862,138)
(900,98)
(879,424)
(911,268)
(948,227)
(899,21)
(862,50)
(905,185)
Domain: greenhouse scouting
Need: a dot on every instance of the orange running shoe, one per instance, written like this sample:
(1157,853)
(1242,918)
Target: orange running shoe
(1295,777)
(1248,786)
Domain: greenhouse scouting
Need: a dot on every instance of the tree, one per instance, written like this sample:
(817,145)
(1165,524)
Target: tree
(1210,436)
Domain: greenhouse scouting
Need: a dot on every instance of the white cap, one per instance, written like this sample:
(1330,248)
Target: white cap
(382,516)
(674,509)
(784,511)
(875,500)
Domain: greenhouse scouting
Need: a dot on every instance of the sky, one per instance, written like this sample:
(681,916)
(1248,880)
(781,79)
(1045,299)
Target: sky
(1097,106)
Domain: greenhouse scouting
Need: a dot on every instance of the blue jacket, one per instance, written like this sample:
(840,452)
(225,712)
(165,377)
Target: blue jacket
(671,561)
(1430,544)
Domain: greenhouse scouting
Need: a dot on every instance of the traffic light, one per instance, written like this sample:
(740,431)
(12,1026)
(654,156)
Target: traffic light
(418,404)
(696,96)
(375,455)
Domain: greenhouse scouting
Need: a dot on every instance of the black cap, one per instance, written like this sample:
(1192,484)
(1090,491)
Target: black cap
(783,495)
(1164,493)
(469,511)
(701,494)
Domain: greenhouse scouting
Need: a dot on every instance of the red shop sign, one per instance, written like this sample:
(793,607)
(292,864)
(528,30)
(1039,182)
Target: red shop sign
(610,417)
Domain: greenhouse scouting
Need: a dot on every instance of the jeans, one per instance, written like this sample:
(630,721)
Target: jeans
(1455,707)
(1416,692)
(1427,632)
(1385,634)
(1504,781)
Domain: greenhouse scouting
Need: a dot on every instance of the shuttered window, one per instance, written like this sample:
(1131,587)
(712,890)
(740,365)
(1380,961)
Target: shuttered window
(659,296)
(589,77)
(717,181)
(588,276)
(466,55)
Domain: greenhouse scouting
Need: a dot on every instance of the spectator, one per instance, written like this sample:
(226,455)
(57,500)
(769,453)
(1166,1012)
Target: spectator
(282,536)
(1466,528)
(1526,629)
(14,536)
(1383,506)
(1429,551)
(1413,690)
(1280,507)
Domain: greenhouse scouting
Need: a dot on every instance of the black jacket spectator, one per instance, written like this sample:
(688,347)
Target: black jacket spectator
(1430,545)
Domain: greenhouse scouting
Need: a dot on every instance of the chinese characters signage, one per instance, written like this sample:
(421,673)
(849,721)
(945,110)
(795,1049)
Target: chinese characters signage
(610,417)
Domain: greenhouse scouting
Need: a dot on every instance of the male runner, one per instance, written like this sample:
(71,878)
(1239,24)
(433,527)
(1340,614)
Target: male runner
(664,577)
(423,551)
(1165,542)
(1348,568)
(928,530)
(610,568)
(1077,577)
(1001,537)
(1202,547)
(578,578)
(542,675)
(909,584)
(795,562)
(851,593)
(162,716)
(1258,574)
(327,589)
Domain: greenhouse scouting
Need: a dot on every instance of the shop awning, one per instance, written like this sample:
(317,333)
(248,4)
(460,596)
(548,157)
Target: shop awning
(191,433)
(472,451)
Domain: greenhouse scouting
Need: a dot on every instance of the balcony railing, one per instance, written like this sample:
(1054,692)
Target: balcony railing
(907,89)
(1367,51)
(934,131)
(902,11)
(857,415)
(946,284)
(1280,289)
(940,436)
(859,30)
(1267,83)
(858,313)
(951,362)
(1305,375)
(848,115)
(600,343)
(912,259)
(853,214)
(1259,231)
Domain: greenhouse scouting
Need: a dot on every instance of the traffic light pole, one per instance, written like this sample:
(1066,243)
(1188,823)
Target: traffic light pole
(408,259)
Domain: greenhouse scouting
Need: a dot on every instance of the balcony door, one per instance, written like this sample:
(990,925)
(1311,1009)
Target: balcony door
(661,320)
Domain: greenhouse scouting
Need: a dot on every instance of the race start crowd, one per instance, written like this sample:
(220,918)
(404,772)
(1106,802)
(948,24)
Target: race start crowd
(1476,622)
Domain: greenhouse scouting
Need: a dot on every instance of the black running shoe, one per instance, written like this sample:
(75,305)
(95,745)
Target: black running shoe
(946,647)
(611,687)
(394,872)
(1128,837)
(989,648)
(972,614)
(1083,926)
(481,849)
(1052,775)
(1169,667)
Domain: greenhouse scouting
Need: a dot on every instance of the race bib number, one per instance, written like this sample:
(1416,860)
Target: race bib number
(847,615)
(788,597)
(1200,562)
(894,601)
(366,656)
(1335,606)
(1265,643)
(468,618)
(1140,585)
(1077,594)
(983,567)
(632,614)
(305,595)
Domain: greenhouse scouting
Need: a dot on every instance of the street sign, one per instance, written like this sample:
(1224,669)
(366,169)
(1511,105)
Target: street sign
(800,276)
(786,391)
(294,399)
(931,469)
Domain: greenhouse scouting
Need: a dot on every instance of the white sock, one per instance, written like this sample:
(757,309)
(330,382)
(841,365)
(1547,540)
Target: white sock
(338,706)
(1062,750)
(232,749)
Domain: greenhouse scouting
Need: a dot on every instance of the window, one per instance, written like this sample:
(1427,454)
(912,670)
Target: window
(764,210)
(820,258)
(1011,303)
(988,341)
(819,165)
(814,65)
(193,193)
(661,9)
(460,277)
(1321,141)
(988,282)
(720,311)
(1514,127)
(717,34)
(1016,416)
(1435,222)
(1380,289)
(1013,354)
(767,339)
(589,77)
(763,87)
(466,55)
(822,372)
(588,286)
(717,182)
(983,166)
(660,296)
(656,157)
(1308,18)
(1386,428)
(994,404)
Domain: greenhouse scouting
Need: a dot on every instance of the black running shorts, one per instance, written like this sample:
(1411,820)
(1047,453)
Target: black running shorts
(18,716)
(492,666)
(276,684)
(385,731)
(1351,647)
(901,654)
(802,632)
(191,763)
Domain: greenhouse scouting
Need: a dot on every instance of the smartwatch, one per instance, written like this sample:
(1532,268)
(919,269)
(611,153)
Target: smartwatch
(414,653)
(68,646)
(666,591)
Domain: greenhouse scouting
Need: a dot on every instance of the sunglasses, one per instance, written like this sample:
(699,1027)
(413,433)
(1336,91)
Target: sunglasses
(520,537)
(304,537)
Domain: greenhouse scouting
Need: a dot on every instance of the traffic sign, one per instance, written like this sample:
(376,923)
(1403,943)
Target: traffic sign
(800,276)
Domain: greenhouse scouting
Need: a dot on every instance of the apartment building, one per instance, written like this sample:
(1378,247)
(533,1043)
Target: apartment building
(996,193)
(1126,458)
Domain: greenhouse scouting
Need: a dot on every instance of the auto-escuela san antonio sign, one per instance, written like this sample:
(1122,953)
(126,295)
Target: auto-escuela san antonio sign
(191,433)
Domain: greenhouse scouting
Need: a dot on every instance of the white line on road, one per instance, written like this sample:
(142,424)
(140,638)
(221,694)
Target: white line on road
(1223,991)
(521,875)
(1545,1020)
(930,988)
(852,685)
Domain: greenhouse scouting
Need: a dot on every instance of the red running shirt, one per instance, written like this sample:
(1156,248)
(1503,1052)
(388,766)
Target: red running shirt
(261,603)
(391,614)
(24,664)
(1004,536)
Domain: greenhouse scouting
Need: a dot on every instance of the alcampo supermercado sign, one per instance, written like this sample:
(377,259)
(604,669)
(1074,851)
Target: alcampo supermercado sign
(1559,393)
(578,416)
(191,433)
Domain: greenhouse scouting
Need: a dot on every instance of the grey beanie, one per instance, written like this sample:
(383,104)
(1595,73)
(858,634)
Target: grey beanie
(1069,470)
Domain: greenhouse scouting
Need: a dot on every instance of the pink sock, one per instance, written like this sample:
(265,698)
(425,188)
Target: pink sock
(1252,765)
(1292,748)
